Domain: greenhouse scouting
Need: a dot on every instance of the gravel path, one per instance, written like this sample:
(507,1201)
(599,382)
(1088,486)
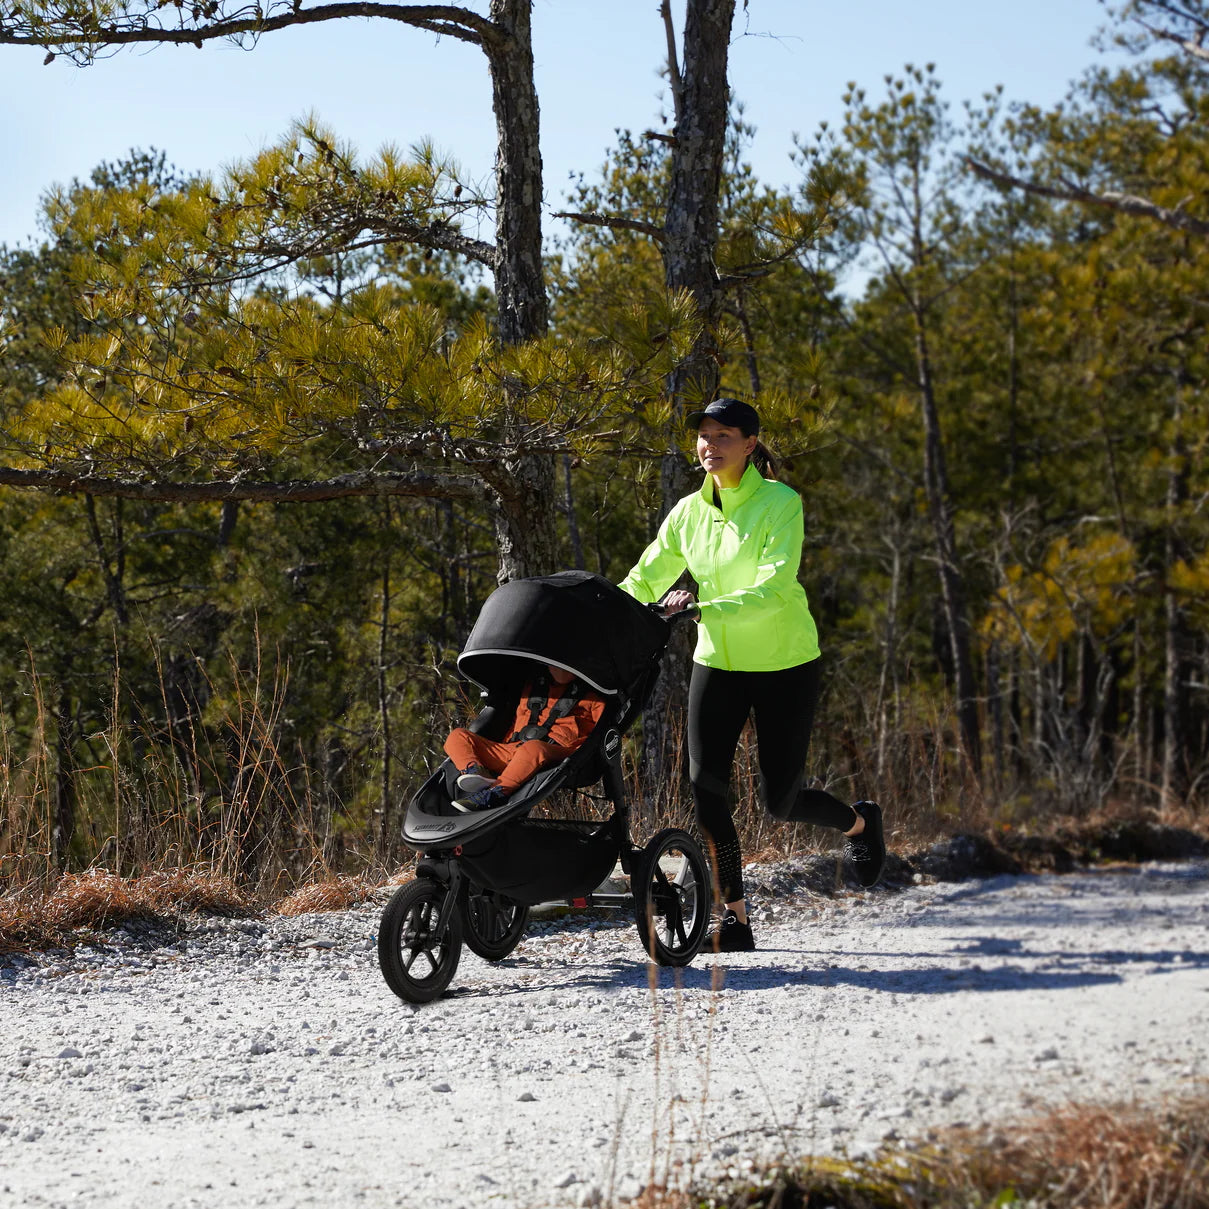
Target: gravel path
(229,1063)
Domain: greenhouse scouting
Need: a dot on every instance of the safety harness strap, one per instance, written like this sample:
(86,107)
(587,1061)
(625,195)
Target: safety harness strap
(539,694)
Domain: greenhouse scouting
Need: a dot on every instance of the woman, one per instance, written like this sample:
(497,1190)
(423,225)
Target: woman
(740,536)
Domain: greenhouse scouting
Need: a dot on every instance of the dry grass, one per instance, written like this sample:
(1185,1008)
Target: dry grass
(1079,1157)
(1123,1157)
(333,894)
(37,917)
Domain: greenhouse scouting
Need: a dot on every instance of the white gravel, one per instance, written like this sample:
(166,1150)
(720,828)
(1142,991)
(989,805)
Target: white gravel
(267,1063)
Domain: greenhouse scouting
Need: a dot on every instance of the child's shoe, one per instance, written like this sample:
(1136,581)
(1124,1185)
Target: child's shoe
(487,798)
(475,778)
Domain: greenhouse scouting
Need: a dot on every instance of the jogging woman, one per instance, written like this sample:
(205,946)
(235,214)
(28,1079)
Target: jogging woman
(740,537)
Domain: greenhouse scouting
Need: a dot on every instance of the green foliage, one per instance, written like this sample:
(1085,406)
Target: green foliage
(280,674)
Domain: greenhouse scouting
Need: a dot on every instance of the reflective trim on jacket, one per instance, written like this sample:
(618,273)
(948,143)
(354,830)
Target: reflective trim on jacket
(745,558)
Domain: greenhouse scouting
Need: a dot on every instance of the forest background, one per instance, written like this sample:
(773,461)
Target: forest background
(272,435)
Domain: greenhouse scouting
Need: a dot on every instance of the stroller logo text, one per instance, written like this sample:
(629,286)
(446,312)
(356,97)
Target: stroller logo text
(437,827)
(612,742)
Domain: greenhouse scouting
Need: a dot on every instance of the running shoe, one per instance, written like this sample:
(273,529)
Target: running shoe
(731,936)
(866,852)
(483,799)
(475,778)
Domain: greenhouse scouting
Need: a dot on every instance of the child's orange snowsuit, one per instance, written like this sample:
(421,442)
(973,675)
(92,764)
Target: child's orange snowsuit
(516,760)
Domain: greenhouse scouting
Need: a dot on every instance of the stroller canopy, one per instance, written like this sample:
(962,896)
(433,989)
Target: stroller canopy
(574,620)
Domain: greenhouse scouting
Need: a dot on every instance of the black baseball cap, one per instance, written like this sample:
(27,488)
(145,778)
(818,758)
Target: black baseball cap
(732,413)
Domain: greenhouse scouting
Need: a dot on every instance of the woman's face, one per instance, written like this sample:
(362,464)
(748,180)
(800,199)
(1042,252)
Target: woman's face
(723,452)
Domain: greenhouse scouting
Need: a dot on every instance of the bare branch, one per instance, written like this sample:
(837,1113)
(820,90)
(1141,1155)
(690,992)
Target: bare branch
(742,274)
(673,60)
(358,483)
(1123,203)
(461,23)
(618,224)
(1177,14)
(655,136)
(279,254)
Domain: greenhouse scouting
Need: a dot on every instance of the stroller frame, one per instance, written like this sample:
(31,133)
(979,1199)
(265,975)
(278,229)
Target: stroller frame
(479,873)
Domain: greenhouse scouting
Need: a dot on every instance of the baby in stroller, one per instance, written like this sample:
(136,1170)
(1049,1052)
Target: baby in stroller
(554,716)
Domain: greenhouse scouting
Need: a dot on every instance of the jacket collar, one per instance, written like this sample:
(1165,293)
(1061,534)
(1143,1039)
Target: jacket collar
(733,497)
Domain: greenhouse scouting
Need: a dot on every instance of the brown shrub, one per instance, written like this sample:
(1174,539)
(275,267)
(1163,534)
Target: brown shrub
(333,894)
(33,916)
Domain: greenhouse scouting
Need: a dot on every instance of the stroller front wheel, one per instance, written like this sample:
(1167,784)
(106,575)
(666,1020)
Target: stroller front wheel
(672,897)
(419,941)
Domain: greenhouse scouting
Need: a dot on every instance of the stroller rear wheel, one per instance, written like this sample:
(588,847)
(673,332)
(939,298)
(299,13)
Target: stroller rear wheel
(419,942)
(492,923)
(672,897)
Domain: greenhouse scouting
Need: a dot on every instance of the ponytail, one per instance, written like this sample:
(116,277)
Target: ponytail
(763,460)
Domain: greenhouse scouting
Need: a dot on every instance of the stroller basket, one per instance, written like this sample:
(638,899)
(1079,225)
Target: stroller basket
(536,860)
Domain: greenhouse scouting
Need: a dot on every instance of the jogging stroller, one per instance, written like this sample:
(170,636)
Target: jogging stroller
(479,873)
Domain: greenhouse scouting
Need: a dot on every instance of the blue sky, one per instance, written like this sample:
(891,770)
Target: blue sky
(597,67)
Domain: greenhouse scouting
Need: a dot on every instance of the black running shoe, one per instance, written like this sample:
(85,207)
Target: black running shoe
(866,852)
(731,936)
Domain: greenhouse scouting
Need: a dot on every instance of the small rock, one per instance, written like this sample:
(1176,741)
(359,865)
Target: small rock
(828,1100)
(986,1039)
(69,1052)
(1050,1054)
(526,1097)
(567,1180)
(442,1087)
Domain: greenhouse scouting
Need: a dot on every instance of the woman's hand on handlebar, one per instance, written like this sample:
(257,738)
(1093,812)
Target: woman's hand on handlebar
(678,603)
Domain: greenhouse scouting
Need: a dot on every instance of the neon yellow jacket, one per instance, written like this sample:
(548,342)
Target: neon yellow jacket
(744,557)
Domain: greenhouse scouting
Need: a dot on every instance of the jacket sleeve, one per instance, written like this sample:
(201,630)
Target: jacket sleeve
(777,567)
(572,730)
(661,563)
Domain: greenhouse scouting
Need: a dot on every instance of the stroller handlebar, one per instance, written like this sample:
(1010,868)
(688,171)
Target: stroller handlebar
(674,616)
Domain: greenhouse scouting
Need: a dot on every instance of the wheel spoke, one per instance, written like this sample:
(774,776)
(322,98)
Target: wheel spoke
(681,934)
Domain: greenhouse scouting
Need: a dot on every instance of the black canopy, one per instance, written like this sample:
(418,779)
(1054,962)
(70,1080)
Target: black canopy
(573,620)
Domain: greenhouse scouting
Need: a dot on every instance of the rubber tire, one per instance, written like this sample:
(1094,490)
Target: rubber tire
(672,920)
(492,924)
(415,930)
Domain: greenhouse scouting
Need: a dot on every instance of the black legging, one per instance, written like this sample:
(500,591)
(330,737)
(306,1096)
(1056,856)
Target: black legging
(782,702)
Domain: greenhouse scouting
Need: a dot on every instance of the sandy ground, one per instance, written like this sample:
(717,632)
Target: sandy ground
(266,1062)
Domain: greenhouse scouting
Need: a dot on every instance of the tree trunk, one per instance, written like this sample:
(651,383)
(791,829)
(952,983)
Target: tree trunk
(577,545)
(1174,766)
(690,236)
(384,794)
(65,781)
(691,225)
(889,657)
(519,278)
(525,514)
(952,587)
